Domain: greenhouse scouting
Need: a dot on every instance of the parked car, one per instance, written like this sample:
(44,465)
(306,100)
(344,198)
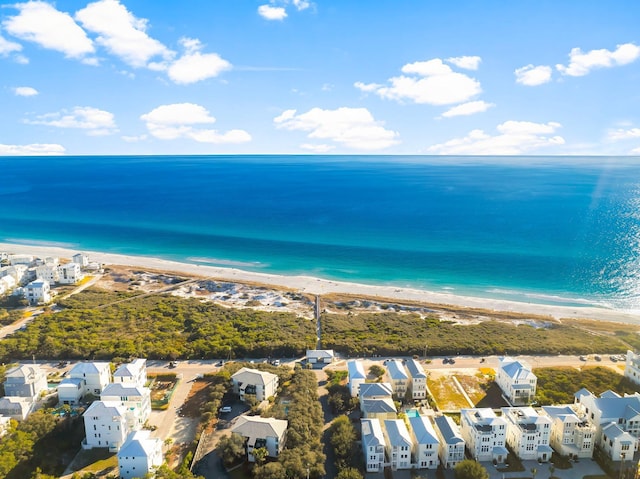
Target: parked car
(225,409)
(583,358)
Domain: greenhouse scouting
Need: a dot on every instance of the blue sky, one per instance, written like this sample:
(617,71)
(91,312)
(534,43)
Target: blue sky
(305,77)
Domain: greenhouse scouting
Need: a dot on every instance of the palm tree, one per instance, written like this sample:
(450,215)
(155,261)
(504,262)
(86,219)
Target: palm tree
(534,471)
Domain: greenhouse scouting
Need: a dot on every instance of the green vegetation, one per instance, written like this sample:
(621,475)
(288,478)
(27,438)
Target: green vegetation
(558,385)
(231,449)
(469,469)
(377,371)
(342,439)
(339,399)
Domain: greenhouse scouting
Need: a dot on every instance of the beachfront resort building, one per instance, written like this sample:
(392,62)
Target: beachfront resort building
(616,418)
(38,292)
(49,271)
(485,434)
(139,455)
(398,444)
(357,376)
(20,259)
(80,259)
(105,425)
(26,381)
(417,380)
(398,378)
(528,433)
(632,367)
(516,380)
(261,432)
(571,435)
(373,444)
(132,374)
(426,447)
(70,273)
(251,383)
(451,441)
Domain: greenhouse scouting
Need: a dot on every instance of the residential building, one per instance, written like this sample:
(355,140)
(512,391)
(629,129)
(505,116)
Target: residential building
(261,432)
(398,444)
(71,391)
(15,407)
(379,408)
(135,399)
(417,380)
(570,435)
(451,441)
(528,433)
(70,273)
(96,376)
(5,422)
(26,380)
(105,425)
(48,272)
(7,283)
(426,446)
(253,383)
(375,391)
(20,259)
(357,376)
(139,455)
(373,444)
(484,433)
(132,374)
(80,259)
(38,292)
(398,378)
(19,273)
(516,380)
(632,367)
(320,357)
(617,443)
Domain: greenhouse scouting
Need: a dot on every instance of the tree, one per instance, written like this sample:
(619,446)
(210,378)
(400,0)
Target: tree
(342,439)
(260,454)
(271,470)
(377,371)
(469,469)
(231,449)
(534,471)
(349,473)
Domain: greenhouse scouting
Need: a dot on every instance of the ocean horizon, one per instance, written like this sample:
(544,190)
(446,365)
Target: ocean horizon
(549,230)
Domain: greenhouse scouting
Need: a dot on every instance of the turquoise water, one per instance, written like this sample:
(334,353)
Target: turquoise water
(549,230)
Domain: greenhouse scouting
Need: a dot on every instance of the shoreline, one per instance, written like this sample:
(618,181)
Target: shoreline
(312,285)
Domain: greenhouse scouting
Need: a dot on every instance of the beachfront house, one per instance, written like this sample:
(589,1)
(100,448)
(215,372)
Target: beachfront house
(426,446)
(451,441)
(38,292)
(485,434)
(357,376)
(417,380)
(398,444)
(571,435)
(105,425)
(139,455)
(261,432)
(26,380)
(135,399)
(7,284)
(373,444)
(398,378)
(516,380)
(20,259)
(251,383)
(14,407)
(319,358)
(528,433)
(132,374)
(632,367)
(80,259)
(49,272)
(19,273)
(84,378)
(70,273)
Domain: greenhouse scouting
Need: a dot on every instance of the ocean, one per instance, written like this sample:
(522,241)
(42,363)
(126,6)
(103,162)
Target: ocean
(552,230)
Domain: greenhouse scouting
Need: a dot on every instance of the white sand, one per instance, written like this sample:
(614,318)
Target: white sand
(313,285)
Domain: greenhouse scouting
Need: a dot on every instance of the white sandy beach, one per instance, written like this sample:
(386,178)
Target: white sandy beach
(313,285)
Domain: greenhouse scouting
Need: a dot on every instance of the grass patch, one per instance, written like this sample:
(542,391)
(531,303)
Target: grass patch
(95,460)
(446,393)
(474,386)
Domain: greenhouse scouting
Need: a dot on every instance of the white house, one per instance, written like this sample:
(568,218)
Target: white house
(132,374)
(70,391)
(320,357)
(105,425)
(417,380)
(261,432)
(80,259)
(7,283)
(357,376)
(18,272)
(135,399)
(617,443)
(5,422)
(373,444)
(426,446)
(376,401)
(398,378)
(26,381)
(570,435)
(70,273)
(632,367)
(96,376)
(15,407)
(38,292)
(375,391)
(20,259)
(451,441)
(516,380)
(398,444)
(139,455)
(251,382)
(528,433)
(485,434)
(48,271)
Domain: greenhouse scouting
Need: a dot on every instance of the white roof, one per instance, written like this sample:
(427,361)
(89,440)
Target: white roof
(397,433)
(123,390)
(140,444)
(131,369)
(320,353)
(104,408)
(88,368)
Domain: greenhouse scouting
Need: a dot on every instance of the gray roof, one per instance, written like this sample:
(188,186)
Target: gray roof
(564,413)
(105,408)
(253,376)
(449,430)
(397,433)
(371,433)
(516,370)
(122,390)
(320,353)
(88,368)
(415,369)
(26,371)
(130,369)
(423,430)
(371,390)
(378,406)
(256,427)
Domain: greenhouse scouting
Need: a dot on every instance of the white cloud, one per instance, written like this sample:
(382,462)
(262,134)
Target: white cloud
(513,138)
(133,139)
(467,62)
(435,84)
(317,148)
(635,151)
(96,122)
(301,4)
(35,149)
(41,23)
(622,134)
(7,47)
(194,66)
(174,121)
(352,127)
(581,63)
(531,75)
(25,91)
(121,33)
(272,13)
(469,108)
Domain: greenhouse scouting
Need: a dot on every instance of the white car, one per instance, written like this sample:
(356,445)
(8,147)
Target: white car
(225,409)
